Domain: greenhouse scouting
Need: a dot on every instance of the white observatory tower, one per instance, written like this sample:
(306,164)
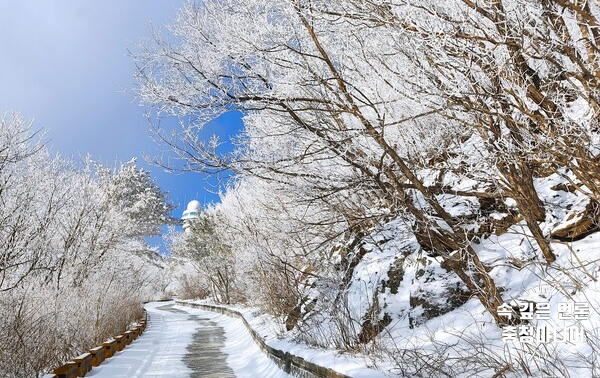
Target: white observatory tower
(192,212)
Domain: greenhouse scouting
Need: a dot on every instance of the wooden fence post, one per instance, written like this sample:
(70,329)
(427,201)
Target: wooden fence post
(128,337)
(84,364)
(98,355)
(120,342)
(110,348)
(68,370)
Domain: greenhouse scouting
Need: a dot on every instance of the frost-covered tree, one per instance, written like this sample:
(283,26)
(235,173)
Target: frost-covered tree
(25,216)
(133,193)
(206,249)
(74,267)
(390,150)
(321,119)
(366,121)
(521,74)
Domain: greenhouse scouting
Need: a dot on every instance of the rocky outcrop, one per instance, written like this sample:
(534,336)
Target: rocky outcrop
(372,325)
(395,275)
(435,293)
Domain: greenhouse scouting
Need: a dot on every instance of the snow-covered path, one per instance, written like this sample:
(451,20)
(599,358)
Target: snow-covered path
(186,342)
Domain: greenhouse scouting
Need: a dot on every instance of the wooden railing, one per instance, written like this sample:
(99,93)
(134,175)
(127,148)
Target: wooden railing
(82,364)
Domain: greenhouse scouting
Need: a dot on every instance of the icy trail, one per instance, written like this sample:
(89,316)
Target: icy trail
(184,342)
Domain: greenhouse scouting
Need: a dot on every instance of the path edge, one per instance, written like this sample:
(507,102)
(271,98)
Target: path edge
(291,364)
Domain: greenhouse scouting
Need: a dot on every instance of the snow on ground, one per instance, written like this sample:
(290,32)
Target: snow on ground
(244,357)
(163,348)
(353,365)
(157,353)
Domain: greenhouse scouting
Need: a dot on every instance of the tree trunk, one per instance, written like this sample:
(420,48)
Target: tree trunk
(519,185)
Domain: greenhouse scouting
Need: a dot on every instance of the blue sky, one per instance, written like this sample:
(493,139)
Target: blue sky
(65,64)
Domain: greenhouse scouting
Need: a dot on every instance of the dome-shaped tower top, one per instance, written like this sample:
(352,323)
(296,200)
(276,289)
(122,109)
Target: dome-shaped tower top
(194,205)
(192,211)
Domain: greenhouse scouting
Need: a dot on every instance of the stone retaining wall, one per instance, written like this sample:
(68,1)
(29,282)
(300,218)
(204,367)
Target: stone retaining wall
(294,365)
